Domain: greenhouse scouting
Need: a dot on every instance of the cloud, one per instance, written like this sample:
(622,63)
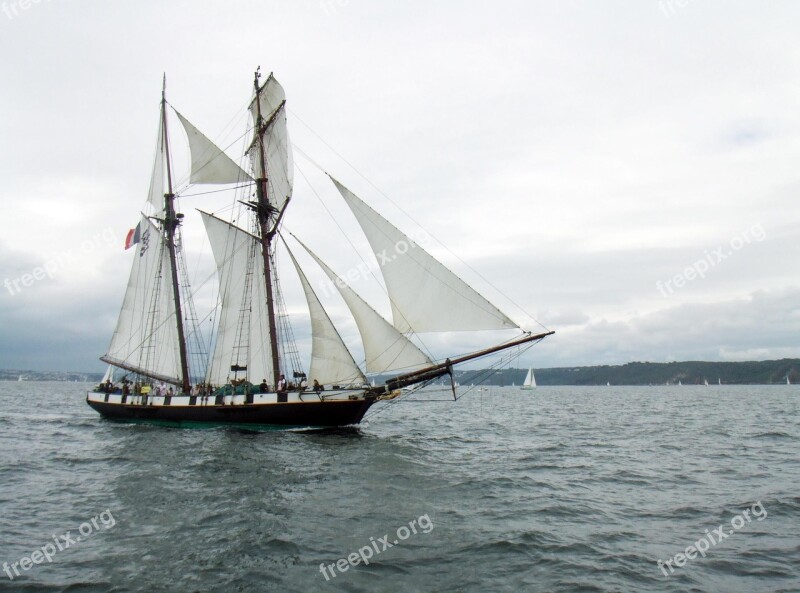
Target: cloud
(573,157)
(765,324)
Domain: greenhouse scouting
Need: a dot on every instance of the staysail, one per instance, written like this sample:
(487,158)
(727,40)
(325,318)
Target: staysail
(385,348)
(425,295)
(209,163)
(145,339)
(331,361)
(237,255)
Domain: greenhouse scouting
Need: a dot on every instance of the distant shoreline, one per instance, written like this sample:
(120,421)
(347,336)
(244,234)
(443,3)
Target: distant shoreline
(763,372)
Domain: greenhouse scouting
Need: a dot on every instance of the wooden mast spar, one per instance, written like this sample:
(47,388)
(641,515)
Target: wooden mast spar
(264,210)
(446,367)
(171,223)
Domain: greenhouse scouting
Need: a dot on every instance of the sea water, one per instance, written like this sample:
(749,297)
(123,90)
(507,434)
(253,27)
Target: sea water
(569,489)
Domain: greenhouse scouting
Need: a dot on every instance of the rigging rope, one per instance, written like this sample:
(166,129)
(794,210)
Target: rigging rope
(365,178)
(428,352)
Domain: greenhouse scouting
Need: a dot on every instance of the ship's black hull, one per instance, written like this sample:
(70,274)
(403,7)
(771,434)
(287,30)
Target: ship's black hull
(301,414)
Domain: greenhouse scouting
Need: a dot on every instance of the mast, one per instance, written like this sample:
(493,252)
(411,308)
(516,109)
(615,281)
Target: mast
(263,210)
(171,223)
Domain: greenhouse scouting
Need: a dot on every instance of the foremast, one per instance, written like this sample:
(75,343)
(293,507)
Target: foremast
(171,222)
(264,211)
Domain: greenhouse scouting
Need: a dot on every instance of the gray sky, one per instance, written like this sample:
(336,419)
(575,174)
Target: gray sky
(626,172)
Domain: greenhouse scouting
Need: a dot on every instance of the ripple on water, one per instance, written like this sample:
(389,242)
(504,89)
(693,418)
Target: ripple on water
(576,490)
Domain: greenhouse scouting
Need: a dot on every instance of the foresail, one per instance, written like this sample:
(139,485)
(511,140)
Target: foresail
(234,250)
(331,361)
(385,348)
(425,295)
(277,147)
(145,339)
(209,163)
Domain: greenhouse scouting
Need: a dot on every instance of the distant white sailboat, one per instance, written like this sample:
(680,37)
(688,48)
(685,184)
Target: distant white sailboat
(21,378)
(705,382)
(530,381)
(787,380)
(719,381)
(679,382)
(608,383)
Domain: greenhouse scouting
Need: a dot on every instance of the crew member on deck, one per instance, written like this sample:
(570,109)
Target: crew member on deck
(317,387)
(263,388)
(282,383)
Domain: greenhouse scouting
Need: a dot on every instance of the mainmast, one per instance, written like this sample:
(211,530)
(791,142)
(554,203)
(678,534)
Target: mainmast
(171,223)
(263,210)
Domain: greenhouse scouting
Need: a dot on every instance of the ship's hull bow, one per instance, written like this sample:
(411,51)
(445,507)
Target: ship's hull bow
(213,411)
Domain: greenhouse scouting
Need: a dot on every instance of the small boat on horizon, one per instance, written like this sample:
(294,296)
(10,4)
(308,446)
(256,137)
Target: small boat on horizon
(530,381)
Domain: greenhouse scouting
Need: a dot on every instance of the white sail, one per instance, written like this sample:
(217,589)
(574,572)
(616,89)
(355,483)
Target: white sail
(233,248)
(277,148)
(209,163)
(331,361)
(109,376)
(155,194)
(385,348)
(530,379)
(425,295)
(146,339)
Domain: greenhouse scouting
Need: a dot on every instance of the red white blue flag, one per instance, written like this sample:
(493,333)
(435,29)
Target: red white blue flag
(133,237)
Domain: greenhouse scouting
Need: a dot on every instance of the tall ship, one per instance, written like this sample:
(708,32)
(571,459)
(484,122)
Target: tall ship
(249,371)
